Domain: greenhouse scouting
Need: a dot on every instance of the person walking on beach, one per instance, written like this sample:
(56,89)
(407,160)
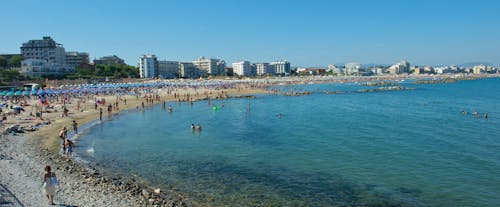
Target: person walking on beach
(75,127)
(50,181)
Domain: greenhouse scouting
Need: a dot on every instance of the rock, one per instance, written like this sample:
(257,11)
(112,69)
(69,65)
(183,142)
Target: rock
(145,193)
(157,191)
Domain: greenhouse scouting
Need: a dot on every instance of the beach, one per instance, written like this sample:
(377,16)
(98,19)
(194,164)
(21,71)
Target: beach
(24,155)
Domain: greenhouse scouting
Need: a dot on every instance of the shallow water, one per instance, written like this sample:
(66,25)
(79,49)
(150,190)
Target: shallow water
(394,148)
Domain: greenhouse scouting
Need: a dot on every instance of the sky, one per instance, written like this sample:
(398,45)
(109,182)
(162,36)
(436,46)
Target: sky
(304,32)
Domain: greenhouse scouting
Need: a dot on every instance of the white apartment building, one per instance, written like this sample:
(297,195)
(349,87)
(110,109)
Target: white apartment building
(38,67)
(148,66)
(352,68)
(263,68)
(242,68)
(281,67)
(210,65)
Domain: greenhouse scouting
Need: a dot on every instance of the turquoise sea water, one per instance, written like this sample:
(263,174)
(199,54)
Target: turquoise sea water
(394,148)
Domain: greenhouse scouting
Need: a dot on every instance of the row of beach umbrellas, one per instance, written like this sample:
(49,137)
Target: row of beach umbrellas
(99,88)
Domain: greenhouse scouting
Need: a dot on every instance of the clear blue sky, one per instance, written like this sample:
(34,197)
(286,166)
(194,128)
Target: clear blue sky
(307,33)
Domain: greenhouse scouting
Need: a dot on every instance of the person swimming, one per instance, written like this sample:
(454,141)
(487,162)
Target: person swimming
(198,127)
(170,109)
(192,126)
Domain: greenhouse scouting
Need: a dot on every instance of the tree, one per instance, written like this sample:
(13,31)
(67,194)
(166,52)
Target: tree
(10,75)
(15,61)
(3,62)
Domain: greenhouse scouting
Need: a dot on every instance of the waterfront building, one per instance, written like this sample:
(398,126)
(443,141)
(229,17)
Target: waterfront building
(188,70)
(399,68)
(428,69)
(210,66)
(281,67)
(478,69)
(45,49)
(168,69)
(242,68)
(76,59)
(352,68)
(148,66)
(35,68)
(228,71)
(109,60)
(417,70)
(334,69)
(44,57)
(263,68)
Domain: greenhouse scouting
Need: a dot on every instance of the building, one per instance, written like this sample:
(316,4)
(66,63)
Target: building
(281,67)
(417,70)
(399,68)
(478,69)
(210,66)
(109,60)
(242,68)
(311,71)
(42,58)
(35,68)
(76,59)
(228,71)
(263,68)
(45,49)
(168,69)
(188,70)
(148,66)
(352,68)
(334,69)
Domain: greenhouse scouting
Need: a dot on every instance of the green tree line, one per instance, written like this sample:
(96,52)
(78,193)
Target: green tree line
(111,71)
(14,61)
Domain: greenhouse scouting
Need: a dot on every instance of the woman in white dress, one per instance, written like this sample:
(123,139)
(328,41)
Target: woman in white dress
(49,184)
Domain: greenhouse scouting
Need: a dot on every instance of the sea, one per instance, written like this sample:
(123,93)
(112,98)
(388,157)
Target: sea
(420,147)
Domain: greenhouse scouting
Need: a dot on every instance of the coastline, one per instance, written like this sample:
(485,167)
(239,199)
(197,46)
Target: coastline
(24,157)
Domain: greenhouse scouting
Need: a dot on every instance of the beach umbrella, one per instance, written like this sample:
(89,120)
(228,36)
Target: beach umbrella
(41,92)
(26,93)
(18,93)
(2,93)
(10,93)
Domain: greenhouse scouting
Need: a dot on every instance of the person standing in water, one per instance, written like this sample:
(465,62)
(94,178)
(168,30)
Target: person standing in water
(69,147)
(63,135)
(198,127)
(75,127)
(100,114)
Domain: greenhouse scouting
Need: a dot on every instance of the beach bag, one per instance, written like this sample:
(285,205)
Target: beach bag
(53,179)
